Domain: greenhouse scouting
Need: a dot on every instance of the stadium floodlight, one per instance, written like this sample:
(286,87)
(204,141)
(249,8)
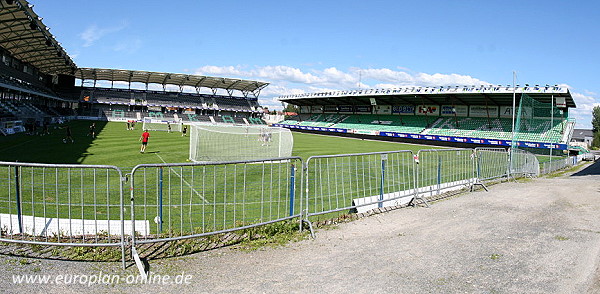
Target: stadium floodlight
(219,143)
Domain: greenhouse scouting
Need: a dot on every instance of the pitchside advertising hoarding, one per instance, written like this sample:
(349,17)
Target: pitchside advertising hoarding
(382,109)
(322,129)
(483,111)
(346,108)
(317,109)
(428,110)
(403,109)
(455,110)
(506,111)
(494,142)
(362,108)
(330,109)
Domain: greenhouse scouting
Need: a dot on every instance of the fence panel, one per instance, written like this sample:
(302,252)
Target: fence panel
(557,164)
(524,163)
(358,182)
(60,204)
(442,170)
(178,201)
(491,163)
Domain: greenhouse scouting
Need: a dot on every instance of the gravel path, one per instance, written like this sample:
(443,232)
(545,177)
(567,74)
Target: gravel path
(534,236)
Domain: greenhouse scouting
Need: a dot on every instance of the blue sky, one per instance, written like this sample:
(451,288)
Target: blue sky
(310,46)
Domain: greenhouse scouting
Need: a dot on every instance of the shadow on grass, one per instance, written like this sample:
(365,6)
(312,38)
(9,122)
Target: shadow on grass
(51,148)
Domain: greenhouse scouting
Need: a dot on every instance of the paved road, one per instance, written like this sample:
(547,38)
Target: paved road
(535,236)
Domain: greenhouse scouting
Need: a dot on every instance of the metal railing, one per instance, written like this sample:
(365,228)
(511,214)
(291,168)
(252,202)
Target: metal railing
(557,164)
(358,182)
(523,163)
(61,204)
(83,205)
(442,170)
(179,201)
(492,163)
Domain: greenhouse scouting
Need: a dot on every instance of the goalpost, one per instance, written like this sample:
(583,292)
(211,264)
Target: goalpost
(153,124)
(218,143)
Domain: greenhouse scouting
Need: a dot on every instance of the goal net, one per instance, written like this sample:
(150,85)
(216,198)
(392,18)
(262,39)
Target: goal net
(216,143)
(153,124)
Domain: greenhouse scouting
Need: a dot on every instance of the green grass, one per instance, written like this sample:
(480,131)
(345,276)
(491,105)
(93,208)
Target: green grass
(114,145)
(194,199)
(306,145)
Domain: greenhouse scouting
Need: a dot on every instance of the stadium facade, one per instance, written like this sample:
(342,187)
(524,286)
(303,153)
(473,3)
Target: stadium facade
(458,116)
(40,84)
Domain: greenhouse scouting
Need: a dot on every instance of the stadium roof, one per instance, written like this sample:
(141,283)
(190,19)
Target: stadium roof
(456,95)
(26,38)
(161,78)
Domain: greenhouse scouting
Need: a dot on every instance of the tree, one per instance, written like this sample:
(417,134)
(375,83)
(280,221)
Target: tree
(596,140)
(596,119)
(291,108)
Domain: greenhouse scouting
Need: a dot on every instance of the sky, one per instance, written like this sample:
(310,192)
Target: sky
(314,46)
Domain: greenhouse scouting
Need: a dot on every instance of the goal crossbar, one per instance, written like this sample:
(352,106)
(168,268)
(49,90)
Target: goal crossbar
(218,143)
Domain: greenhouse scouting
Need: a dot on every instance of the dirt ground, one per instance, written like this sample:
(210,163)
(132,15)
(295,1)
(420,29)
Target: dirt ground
(531,236)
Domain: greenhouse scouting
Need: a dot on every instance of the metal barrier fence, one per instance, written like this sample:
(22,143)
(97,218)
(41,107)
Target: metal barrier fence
(60,204)
(179,201)
(492,163)
(358,182)
(523,163)
(442,170)
(557,164)
(83,205)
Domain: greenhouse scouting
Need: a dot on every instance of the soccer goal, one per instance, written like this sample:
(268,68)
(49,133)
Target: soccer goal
(218,143)
(153,124)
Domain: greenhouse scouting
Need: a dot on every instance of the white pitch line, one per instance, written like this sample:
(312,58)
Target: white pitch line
(186,182)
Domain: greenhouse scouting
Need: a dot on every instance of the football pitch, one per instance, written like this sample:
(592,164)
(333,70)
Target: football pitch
(115,145)
(176,200)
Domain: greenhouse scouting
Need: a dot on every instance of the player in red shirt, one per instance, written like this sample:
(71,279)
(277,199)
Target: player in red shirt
(144,139)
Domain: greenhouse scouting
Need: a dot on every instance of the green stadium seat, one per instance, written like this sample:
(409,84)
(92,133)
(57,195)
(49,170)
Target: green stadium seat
(227,119)
(155,114)
(256,121)
(118,113)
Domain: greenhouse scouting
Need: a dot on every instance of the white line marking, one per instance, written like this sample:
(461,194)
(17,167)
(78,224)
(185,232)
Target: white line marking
(186,182)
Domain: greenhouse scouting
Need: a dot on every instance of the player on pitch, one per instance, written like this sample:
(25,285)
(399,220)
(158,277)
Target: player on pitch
(144,139)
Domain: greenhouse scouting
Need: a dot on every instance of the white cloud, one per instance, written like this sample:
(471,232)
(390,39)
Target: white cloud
(94,33)
(583,113)
(219,71)
(436,80)
(128,46)
(287,80)
(397,78)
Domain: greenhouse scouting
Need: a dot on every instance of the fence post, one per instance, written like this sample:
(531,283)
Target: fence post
(292,189)
(383,159)
(18,200)
(477,163)
(160,199)
(439,173)
(122,215)
(132,208)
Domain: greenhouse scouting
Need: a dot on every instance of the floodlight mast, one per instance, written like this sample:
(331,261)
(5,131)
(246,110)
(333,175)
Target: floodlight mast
(551,123)
(512,141)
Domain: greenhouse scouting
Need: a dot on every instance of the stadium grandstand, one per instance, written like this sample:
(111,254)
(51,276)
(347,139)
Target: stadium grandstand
(38,85)
(465,116)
